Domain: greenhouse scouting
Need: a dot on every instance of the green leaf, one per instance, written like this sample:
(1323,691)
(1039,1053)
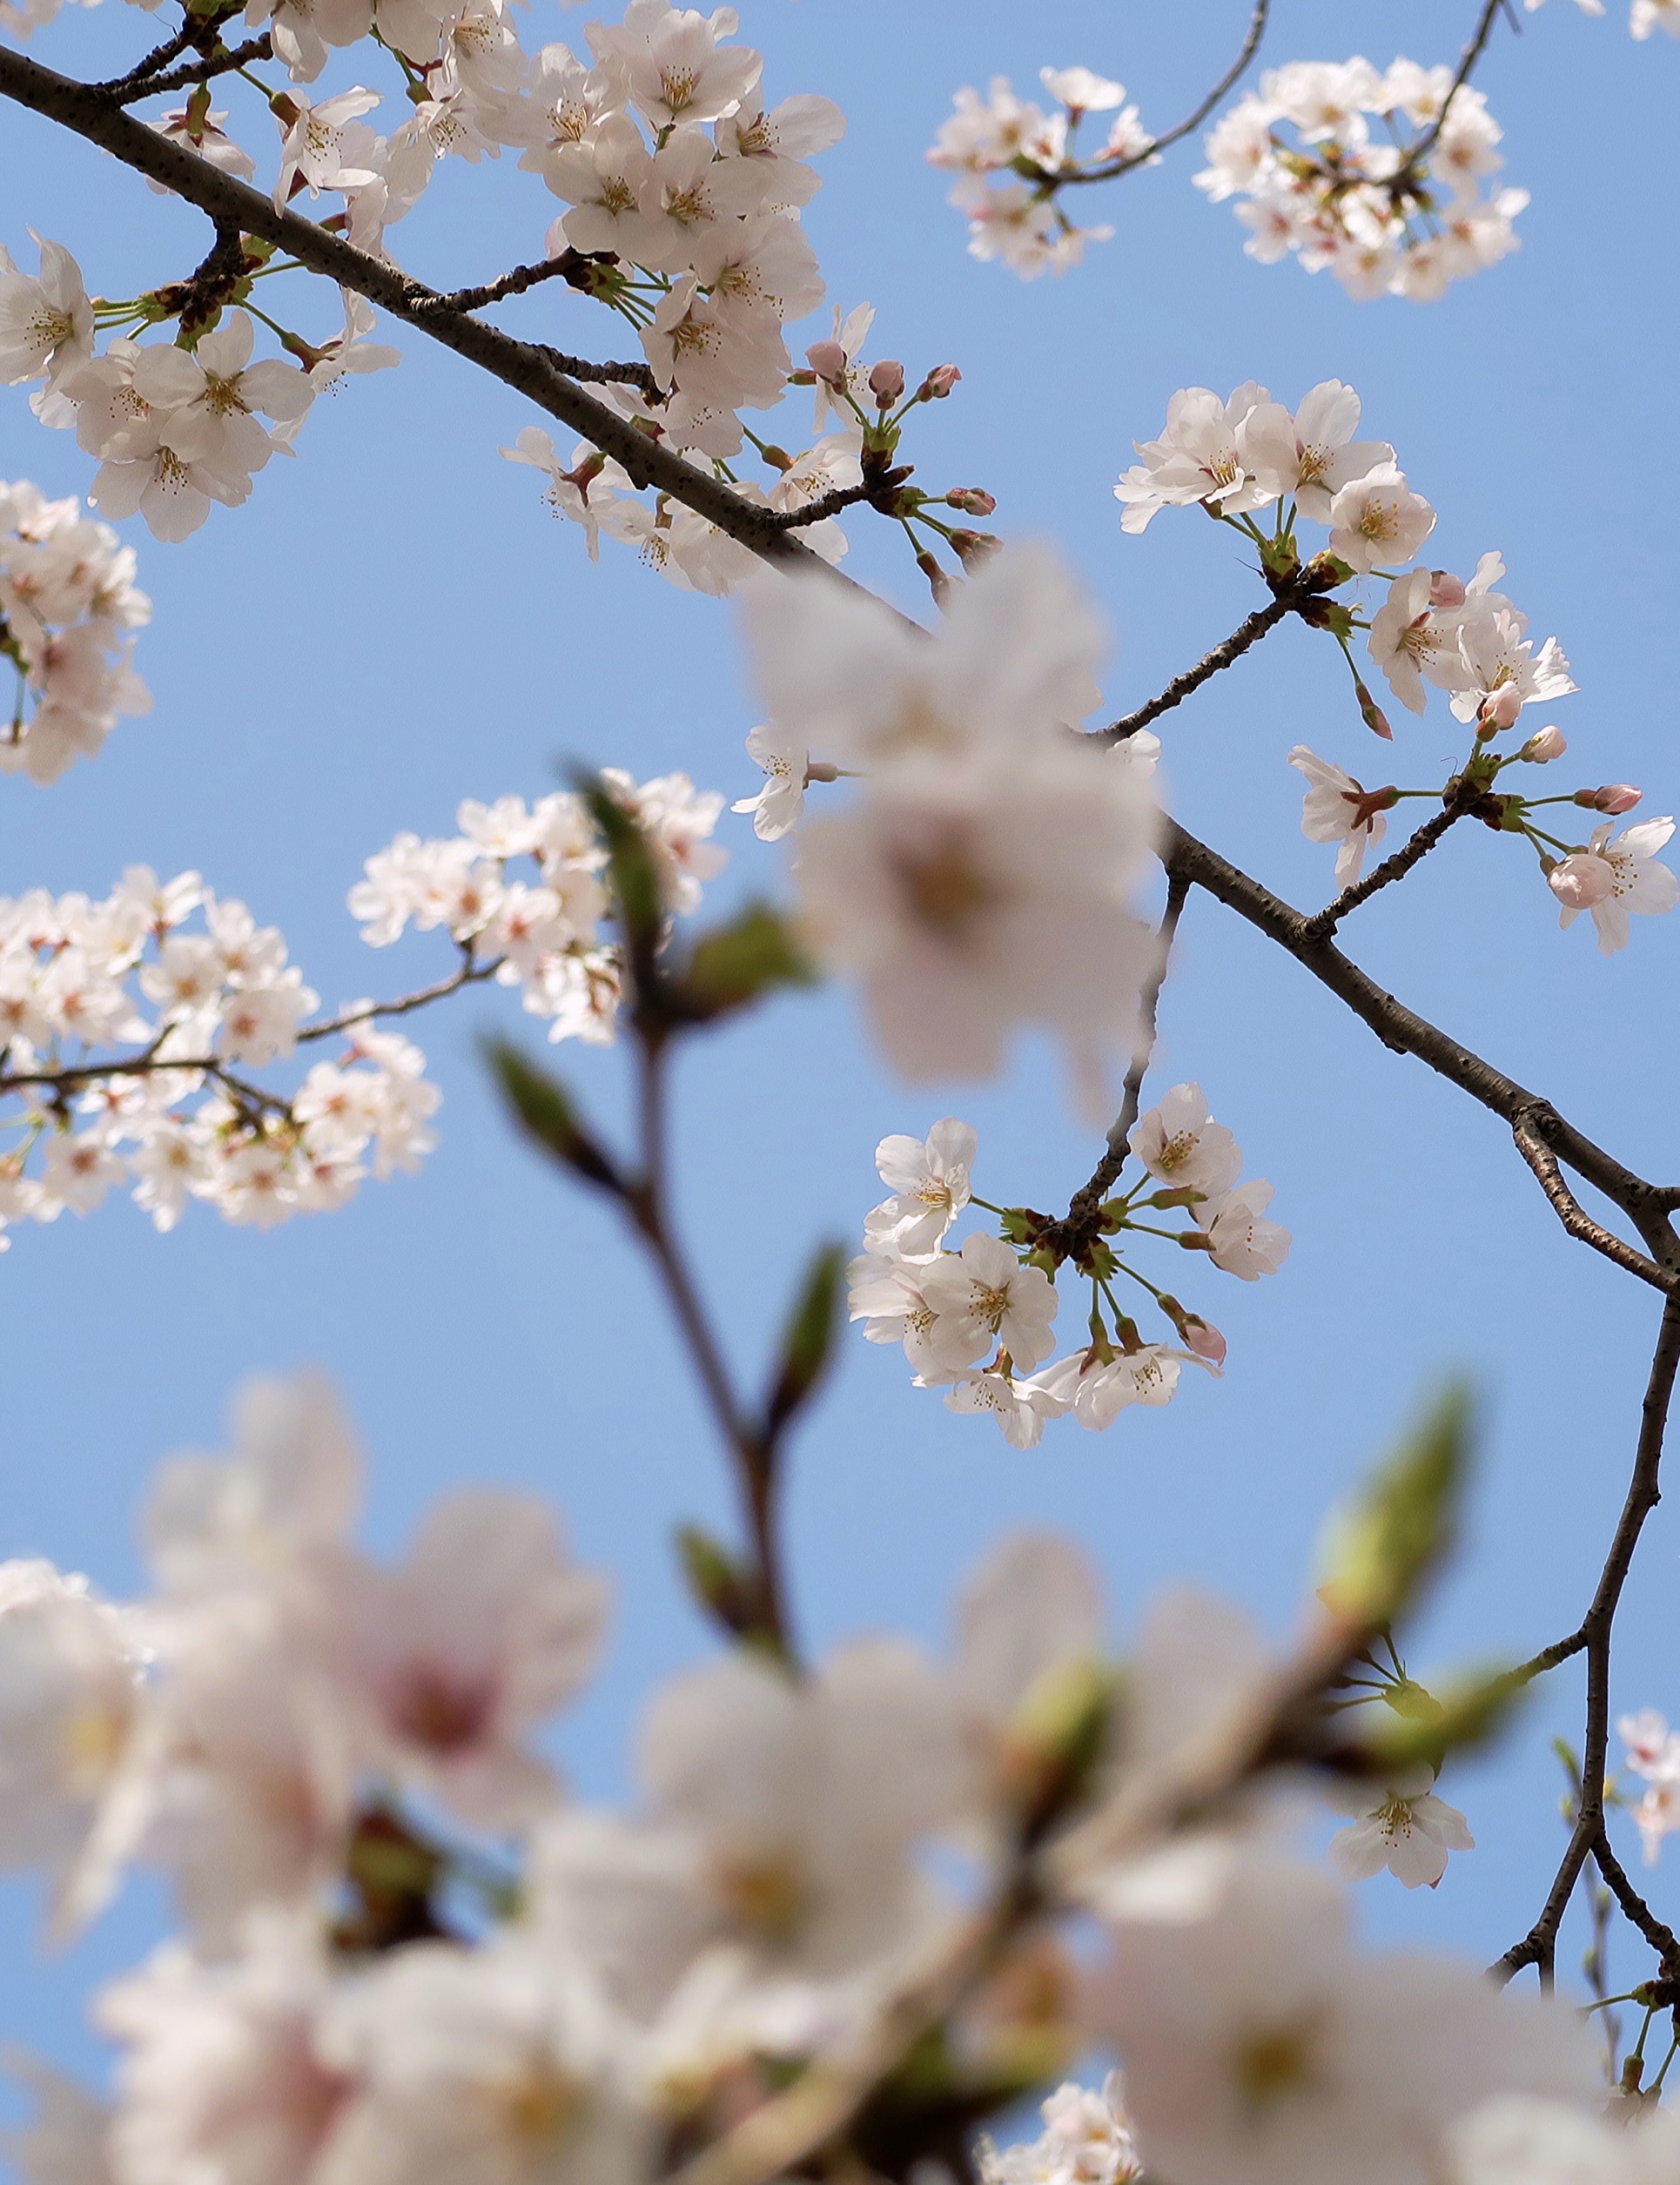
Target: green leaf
(1381,1549)
(543,1109)
(735,963)
(632,873)
(715,1579)
(807,1341)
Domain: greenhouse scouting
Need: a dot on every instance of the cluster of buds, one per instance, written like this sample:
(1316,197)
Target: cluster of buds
(877,401)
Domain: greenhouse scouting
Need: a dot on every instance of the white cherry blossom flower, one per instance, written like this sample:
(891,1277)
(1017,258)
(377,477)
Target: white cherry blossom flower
(1399,1825)
(1337,808)
(929,1182)
(1178,1141)
(776,808)
(1240,1240)
(1086,2140)
(1612,878)
(983,1296)
(1378,518)
(1259,2045)
(669,63)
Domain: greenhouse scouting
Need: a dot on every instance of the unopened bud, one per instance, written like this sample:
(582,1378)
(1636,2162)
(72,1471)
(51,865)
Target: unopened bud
(828,360)
(939,382)
(1615,797)
(1203,1342)
(886,382)
(974,548)
(938,580)
(1548,744)
(1371,714)
(1500,710)
(1580,881)
(972,500)
(1445,588)
(777,458)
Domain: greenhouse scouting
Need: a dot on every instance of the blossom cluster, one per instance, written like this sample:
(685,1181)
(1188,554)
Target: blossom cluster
(977,1320)
(1248,452)
(1402,209)
(542,934)
(68,605)
(174,429)
(404,1954)
(1009,158)
(981,879)
(173,1115)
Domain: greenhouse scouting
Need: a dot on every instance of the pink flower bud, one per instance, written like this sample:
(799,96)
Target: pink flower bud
(974,548)
(1445,589)
(887,382)
(1580,881)
(1203,1342)
(939,382)
(972,500)
(828,360)
(1500,710)
(1371,714)
(1616,797)
(1548,744)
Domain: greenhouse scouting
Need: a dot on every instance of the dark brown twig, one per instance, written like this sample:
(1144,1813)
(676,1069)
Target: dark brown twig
(1472,54)
(1248,632)
(1323,923)
(1575,1217)
(1070,1234)
(1251,45)
(220,61)
(1538,1947)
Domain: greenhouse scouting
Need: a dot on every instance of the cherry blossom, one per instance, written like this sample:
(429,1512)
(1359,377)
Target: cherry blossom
(1240,1240)
(1086,2140)
(1612,878)
(930,1183)
(1178,1141)
(984,1294)
(1399,1825)
(1340,809)
(1259,2045)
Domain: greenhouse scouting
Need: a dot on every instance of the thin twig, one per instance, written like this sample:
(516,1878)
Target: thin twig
(1247,633)
(1660,1937)
(1473,52)
(756,1465)
(1575,1217)
(1405,1033)
(221,61)
(192,29)
(1082,1207)
(1323,923)
(1156,145)
(1538,1947)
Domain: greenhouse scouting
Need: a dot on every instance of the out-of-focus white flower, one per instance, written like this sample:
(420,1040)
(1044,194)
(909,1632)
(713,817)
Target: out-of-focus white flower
(1527,2140)
(1259,2045)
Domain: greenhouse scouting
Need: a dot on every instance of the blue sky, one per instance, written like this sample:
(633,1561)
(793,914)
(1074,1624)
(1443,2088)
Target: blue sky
(393,623)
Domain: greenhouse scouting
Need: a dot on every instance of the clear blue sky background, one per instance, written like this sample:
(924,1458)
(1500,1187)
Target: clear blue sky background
(394,622)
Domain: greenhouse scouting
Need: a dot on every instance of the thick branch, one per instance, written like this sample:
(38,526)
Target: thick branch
(1405,1033)
(89,113)
(1246,633)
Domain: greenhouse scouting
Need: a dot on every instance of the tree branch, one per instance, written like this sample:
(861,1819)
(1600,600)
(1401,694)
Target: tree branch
(216,62)
(1198,114)
(1247,633)
(87,113)
(1069,1234)
(1472,53)
(1405,1033)
(1575,1217)
(1644,1491)
(1323,923)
